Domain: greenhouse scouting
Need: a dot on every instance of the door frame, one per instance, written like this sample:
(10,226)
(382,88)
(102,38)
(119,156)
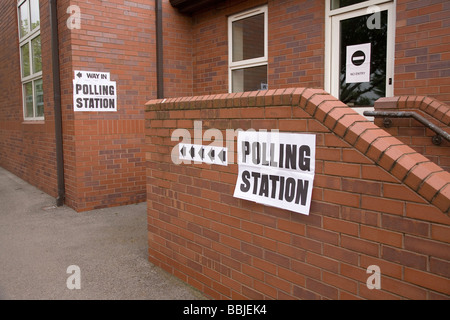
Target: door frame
(332,39)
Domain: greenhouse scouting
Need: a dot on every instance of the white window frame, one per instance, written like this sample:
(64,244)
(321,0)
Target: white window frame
(332,41)
(32,77)
(248,63)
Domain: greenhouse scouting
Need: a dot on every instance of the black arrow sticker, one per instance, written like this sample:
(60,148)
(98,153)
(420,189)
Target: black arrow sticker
(211,154)
(201,153)
(222,155)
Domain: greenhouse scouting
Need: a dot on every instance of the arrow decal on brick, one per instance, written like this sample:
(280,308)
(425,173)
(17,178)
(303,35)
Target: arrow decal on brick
(203,154)
(222,155)
(211,154)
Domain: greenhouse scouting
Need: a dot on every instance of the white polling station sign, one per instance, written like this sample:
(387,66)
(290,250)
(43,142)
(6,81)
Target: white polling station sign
(94,91)
(276,169)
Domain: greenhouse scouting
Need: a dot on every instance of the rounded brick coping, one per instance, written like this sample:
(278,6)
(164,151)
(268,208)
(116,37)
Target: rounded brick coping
(433,107)
(408,166)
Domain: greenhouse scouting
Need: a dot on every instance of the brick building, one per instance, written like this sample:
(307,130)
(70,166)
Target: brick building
(358,51)
(292,45)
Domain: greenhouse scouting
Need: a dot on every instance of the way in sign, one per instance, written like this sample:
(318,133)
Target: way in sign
(203,154)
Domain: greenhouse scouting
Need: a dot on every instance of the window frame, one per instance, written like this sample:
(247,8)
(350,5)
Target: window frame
(329,14)
(33,77)
(248,63)
(332,41)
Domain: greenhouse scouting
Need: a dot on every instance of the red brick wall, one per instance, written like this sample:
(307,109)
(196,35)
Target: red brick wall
(68,128)
(296,46)
(412,132)
(422,57)
(27,148)
(375,202)
(178,52)
(210,40)
(104,157)
(103,152)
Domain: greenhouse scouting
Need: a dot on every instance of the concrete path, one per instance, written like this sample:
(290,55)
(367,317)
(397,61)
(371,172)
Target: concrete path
(38,242)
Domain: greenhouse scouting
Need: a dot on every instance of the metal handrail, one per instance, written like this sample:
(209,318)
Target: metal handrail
(437,140)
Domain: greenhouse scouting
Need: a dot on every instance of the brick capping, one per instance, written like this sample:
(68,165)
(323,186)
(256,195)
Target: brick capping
(408,166)
(415,134)
(431,106)
(375,201)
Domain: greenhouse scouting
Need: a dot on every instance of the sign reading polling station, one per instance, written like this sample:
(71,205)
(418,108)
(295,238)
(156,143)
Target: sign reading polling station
(276,169)
(93,91)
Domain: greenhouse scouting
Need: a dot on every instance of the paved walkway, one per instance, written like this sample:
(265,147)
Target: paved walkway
(38,242)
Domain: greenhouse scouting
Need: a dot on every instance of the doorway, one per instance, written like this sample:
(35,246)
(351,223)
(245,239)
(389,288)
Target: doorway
(360,52)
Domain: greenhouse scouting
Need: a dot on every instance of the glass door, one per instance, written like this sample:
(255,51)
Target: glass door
(362,56)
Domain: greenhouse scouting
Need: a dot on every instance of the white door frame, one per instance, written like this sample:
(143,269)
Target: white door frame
(332,19)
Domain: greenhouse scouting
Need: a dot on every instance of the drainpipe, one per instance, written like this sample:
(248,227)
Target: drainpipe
(57,103)
(159,50)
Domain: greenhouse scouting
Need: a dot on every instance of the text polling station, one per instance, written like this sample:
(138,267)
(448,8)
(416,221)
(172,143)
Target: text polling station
(276,169)
(94,91)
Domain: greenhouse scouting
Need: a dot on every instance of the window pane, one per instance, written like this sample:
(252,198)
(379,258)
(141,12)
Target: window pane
(354,31)
(37,57)
(28,89)
(249,79)
(24,19)
(248,38)
(39,98)
(25,50)
(336,4)
(35,19)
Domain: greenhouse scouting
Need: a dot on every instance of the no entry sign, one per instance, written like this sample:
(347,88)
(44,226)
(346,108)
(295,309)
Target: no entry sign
(358,63)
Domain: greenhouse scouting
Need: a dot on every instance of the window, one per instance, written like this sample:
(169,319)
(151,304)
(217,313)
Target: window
(31,59)
(247,34)
(359,40)
(336,4)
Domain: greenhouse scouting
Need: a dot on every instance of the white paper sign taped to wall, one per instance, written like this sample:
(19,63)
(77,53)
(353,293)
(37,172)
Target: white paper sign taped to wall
(93,91)
(276,169)
(358,63)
